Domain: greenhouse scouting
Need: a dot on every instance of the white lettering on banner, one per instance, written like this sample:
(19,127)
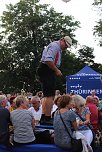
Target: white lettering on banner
(97,91)
(89,91)
(75,91)
(80,91)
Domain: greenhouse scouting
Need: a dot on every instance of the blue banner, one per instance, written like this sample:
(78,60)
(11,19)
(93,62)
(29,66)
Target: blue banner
(83,85)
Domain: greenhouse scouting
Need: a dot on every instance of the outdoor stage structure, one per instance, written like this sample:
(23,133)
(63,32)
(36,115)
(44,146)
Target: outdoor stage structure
(84,82)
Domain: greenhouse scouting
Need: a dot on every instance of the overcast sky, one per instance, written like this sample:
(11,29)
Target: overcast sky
(82,11)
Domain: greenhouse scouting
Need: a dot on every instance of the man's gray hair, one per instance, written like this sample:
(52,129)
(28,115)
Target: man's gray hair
(78,100)
(2,97)
(36,98)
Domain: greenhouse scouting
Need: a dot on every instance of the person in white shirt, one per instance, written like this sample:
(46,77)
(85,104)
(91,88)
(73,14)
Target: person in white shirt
(36,109)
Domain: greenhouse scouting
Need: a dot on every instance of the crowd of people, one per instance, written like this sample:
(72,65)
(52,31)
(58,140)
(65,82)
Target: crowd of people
(81,115)
(23,112)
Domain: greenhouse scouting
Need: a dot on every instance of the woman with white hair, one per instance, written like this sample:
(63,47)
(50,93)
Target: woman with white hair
(83,118)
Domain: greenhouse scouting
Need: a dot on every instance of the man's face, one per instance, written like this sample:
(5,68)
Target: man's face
(63,44)
(35,103)
(4,103)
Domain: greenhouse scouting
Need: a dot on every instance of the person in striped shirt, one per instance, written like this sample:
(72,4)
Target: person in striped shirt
(23,122)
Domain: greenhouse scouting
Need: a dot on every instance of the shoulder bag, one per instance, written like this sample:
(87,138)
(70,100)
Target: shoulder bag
(76,143)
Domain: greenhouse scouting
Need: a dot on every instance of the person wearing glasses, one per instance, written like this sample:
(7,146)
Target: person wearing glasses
(48,69)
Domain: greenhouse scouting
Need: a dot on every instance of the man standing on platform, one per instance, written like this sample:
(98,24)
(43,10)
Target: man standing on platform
(48,69)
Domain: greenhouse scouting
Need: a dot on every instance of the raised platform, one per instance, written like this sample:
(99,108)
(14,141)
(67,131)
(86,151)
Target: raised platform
(44,127)
(38,148)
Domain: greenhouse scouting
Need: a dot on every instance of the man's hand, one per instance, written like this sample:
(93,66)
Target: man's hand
(54,68)
(58,73)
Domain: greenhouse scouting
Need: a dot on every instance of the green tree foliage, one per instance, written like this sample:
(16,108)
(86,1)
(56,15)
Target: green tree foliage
(27,27)
(98,27)
(85,55)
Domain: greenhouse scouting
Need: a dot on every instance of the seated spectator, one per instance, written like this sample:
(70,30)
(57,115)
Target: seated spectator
(94,112)
(93,94)
(30,101)
(57,93)
(11,108)
(61,137)
(8,101)
(96,101)
(100,104)
(56,105)
(23,122)
(100,114)
(12,103)
(40,94)
(4,120)
(83,118)
(36,109)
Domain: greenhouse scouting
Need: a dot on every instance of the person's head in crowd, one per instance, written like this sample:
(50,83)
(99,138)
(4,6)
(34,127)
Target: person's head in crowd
(57,93)
(89,99)
(8,97)
(35,102)
(79,102)
(12,103)
(57,101)
(93,92)
(21,102)
(3,101)
(29,96)
(23,92)
(12,99)
(96,100)
(72,93)
(40,94)
(65,101)
(30,102)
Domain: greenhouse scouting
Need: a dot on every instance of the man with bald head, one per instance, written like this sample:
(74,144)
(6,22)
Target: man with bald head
(36,109)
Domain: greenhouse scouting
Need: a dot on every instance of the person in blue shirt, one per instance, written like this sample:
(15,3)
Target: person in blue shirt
(4,121)
(48,69)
